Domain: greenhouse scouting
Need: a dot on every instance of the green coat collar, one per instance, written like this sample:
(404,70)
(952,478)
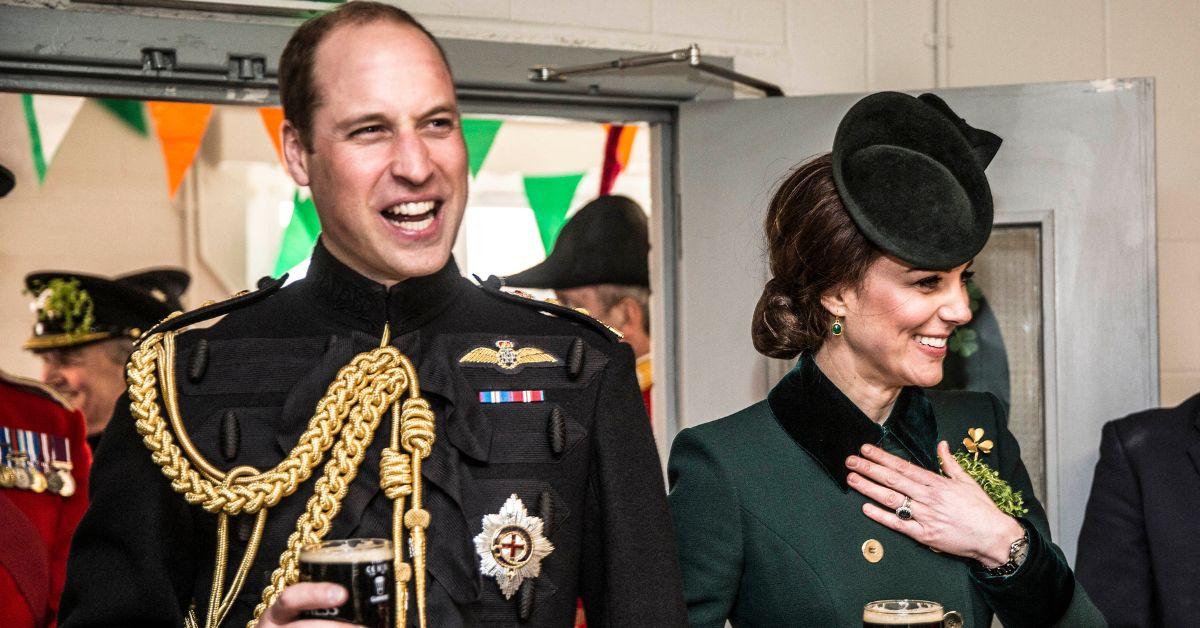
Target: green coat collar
(829,427)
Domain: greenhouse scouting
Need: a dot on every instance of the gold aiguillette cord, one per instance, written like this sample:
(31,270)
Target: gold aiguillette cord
(349,412)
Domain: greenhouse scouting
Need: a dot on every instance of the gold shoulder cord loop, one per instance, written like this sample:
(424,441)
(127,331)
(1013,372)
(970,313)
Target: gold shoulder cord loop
(349,412)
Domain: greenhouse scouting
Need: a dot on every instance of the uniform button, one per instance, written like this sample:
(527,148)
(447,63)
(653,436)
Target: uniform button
(872,550)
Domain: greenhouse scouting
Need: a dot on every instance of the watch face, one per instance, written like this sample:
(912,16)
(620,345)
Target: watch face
(1019,551)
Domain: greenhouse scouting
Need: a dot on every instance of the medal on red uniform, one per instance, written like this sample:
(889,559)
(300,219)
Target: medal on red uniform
(60,460)
(7,478)
(19,460)
(35,461)
(33,446)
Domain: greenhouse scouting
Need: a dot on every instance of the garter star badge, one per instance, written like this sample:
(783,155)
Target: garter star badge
(506,358)
(511,546)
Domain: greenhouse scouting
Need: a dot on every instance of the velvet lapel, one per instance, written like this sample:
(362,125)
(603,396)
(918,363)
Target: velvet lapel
(829,427)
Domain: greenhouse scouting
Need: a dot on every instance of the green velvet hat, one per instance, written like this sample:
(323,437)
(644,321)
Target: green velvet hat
(910,173)
(76,309)
(606,241)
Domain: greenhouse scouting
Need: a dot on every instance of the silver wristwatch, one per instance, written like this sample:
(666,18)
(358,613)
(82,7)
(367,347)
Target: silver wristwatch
(1018,551)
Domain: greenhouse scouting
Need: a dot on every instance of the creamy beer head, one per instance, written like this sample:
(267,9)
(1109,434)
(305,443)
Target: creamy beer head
(364,568)
(903,613)
(347,551)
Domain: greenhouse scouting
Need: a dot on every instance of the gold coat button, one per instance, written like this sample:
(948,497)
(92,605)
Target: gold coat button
(872,550)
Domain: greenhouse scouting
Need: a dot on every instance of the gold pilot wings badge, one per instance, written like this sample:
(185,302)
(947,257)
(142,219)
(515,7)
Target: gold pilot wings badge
(511,546)
(506,358)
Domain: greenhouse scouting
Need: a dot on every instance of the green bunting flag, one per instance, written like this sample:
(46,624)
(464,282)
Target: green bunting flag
(131,112)
(48,118)
(35,137)
(550,198)
(479,135)
(300,235)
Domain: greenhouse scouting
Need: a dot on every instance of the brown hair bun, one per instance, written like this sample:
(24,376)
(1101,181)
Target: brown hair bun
(813,248)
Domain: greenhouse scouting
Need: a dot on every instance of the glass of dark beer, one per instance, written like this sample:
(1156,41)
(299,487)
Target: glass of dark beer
(909,614)
(364,568)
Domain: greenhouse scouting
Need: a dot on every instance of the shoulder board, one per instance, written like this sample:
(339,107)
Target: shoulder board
(212,309)
(35,387)
(493,286)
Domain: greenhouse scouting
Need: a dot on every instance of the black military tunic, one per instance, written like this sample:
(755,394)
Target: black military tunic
(583,458)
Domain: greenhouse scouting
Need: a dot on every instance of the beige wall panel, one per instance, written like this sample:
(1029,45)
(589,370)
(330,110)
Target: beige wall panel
(1025,41)
(1178,387)
(64,224)
(899,40)
(1179,304)
(625,15)
(469,8)
(749,20)
(827,44)
(1161,39)
(771,66)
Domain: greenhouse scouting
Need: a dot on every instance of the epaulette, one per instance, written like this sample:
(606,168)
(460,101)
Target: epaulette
(36,387)
(494,286)
(212,309)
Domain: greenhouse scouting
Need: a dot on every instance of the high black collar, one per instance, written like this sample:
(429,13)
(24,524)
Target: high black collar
(827,425)
(368,305)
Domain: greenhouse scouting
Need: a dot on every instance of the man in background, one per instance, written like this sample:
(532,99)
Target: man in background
(43,492)
(600,262)
(1138,557)
(85,328)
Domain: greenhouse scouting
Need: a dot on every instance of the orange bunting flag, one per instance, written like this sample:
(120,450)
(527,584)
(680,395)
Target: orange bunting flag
(625,145)
(618,144)
(272,118)
(180,128)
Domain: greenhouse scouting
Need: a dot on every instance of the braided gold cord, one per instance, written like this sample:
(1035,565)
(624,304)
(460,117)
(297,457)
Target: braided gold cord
(251,493)
(416,436)
(345,420)
(387,382)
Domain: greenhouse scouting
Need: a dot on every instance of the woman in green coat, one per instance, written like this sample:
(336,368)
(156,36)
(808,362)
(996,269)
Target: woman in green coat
(840,487)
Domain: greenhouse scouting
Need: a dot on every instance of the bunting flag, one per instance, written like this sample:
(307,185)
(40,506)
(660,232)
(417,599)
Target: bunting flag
(131,112)
(550,198)
(48,118)
(618,144)
(479,135)
(300,235)
(180,128)
(272,118)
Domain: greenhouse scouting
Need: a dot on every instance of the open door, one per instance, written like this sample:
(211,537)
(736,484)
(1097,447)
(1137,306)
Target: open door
(1070,268)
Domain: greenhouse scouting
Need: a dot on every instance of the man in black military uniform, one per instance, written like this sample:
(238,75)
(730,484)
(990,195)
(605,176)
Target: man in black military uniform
(85,328)
(536,421)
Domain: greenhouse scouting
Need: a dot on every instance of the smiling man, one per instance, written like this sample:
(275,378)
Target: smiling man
(85,328)
(539,479)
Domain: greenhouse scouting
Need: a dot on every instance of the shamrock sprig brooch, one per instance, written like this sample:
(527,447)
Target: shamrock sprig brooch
(1001,492)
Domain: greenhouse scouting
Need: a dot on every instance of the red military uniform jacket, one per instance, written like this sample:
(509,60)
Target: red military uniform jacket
(37,526)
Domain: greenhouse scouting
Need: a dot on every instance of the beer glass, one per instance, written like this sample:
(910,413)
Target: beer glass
(364,568)
(909,614)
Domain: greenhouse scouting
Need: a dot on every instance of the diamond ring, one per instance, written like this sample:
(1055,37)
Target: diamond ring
(905,511)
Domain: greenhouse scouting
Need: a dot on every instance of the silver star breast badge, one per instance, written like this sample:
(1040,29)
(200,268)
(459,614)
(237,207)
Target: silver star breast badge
(511,546)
